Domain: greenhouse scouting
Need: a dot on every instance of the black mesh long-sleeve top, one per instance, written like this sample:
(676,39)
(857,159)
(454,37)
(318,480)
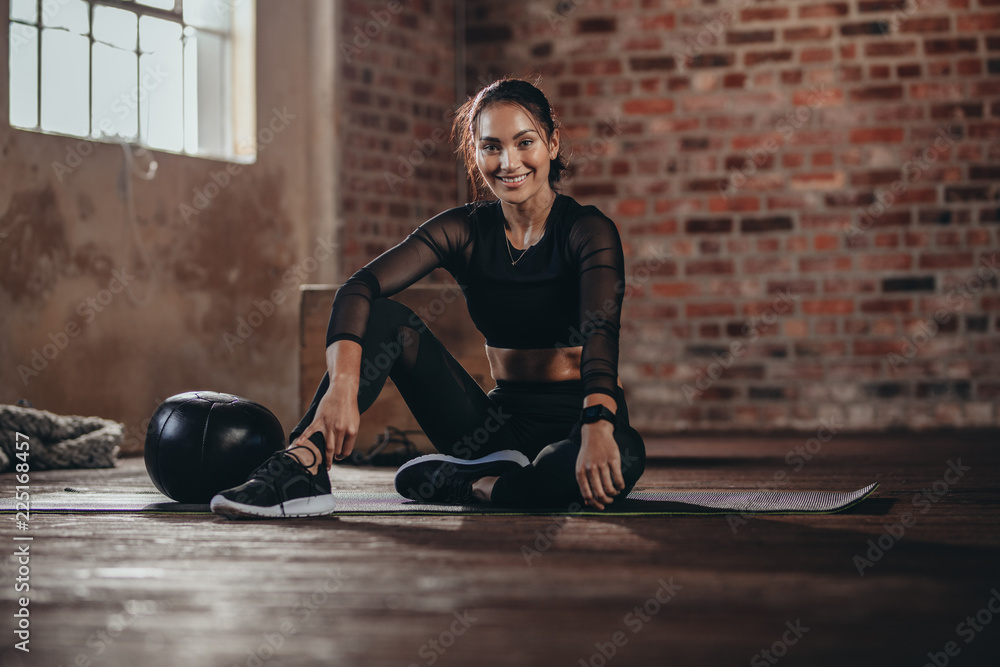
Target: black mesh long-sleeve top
(565,291)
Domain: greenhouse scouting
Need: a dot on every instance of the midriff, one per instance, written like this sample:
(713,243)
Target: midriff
(544,365)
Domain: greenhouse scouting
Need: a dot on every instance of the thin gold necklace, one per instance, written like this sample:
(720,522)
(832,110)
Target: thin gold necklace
(513,262)
(510,251)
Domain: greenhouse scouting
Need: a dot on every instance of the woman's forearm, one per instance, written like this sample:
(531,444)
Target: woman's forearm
(343,362)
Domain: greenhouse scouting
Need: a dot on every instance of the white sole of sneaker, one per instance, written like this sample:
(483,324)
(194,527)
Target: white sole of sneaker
(503,455)
(298,507)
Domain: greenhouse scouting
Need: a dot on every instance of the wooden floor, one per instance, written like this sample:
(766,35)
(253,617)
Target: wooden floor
(149,590)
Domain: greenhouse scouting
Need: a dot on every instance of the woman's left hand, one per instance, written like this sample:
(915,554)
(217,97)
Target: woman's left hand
(599,465)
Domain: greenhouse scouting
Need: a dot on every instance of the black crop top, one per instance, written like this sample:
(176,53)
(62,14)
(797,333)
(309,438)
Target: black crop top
(565,291)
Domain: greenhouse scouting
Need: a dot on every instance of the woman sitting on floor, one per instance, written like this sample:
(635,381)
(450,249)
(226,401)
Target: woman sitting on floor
(543,278)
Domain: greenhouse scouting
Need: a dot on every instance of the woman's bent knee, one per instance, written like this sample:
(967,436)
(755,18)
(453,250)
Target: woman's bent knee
(633,454)
(387,311)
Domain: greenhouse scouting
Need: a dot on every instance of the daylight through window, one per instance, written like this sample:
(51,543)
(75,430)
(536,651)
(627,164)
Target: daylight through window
(172,75)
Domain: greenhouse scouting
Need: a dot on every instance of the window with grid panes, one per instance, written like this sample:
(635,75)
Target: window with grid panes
(171,75)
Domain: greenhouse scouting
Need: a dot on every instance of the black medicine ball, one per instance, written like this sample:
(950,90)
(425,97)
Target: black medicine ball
(201,442)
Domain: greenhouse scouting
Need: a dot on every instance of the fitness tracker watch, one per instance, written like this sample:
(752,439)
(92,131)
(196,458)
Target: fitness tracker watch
(593,413)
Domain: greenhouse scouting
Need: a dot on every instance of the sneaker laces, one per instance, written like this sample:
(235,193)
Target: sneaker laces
(274,469)
(457,489)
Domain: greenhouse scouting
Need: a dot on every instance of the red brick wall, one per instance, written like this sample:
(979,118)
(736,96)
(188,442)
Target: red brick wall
(808,192)
(397,89)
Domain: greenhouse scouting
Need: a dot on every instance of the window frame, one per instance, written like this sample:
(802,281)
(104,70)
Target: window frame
(240,144)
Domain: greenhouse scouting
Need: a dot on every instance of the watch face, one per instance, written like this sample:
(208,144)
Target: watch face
(597,412)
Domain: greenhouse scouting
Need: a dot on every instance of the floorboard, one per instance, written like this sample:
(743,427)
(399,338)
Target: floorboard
(150,590)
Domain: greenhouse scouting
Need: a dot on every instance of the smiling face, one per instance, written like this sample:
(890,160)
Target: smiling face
(513,153)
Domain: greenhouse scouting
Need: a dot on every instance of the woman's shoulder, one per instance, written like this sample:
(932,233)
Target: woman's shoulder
(482,218)
(458,227)
(452,220)
(579,218)
(482,209)
(465,215)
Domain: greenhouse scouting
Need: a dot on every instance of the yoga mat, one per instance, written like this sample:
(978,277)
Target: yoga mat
(388,502)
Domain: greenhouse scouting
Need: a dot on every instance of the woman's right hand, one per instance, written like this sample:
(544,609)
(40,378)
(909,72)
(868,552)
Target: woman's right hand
(337,416)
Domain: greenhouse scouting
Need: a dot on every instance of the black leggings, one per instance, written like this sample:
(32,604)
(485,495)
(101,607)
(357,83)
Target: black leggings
(539,419)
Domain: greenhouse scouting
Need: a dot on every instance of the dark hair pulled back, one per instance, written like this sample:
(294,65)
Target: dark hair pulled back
(507,90)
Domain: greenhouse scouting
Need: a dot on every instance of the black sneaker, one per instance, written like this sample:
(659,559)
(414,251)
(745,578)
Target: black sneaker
(439,478)
(280,487)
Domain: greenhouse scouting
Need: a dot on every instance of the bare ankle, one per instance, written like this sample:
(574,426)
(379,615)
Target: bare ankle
(482,489)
